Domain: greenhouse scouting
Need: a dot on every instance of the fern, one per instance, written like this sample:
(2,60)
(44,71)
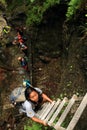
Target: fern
(83,28)
(73,5)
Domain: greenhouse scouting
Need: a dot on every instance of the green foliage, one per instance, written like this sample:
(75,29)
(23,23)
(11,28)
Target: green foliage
(32,0)
(3,2)
(73,5)
(34,15)
(36,11)
(13,4)
(83,29)
(31,125)
(34,126)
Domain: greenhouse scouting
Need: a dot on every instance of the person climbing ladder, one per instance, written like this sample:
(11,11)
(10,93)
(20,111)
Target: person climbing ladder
(23,63)
(32,100)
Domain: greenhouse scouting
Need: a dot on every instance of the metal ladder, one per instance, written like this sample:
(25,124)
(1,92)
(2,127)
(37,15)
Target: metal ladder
(56,113)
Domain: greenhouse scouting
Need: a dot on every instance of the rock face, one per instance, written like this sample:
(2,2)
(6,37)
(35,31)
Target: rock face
(3,23)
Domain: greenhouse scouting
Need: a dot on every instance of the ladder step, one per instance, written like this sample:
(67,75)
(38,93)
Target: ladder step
(39,112)
(66,111)
(78,113)
(52,111)
(49,109)
(60,128)
(57,111)
(42,108)
(44,111)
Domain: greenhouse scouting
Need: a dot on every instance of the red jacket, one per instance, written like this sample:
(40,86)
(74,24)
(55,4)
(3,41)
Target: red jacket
(20,38)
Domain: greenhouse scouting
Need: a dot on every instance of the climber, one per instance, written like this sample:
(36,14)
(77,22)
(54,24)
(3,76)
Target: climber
(18,39)
(21,30)
(20,35)
(34,99)
(29,99)
(23,63)
(23,48)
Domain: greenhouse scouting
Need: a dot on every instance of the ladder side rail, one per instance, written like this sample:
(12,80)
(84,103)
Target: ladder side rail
(66,111)
(78,113)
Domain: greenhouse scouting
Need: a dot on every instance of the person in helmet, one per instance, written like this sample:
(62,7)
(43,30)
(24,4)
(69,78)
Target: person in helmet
(26,83)
(23,63)
(23,48)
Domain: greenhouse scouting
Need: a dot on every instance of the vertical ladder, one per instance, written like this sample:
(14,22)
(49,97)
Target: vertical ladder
(55,114)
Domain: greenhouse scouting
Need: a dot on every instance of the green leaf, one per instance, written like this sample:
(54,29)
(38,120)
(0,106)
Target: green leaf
(32,0)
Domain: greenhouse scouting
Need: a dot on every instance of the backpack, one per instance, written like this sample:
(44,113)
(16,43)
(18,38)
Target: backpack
(18,95)
(17,98)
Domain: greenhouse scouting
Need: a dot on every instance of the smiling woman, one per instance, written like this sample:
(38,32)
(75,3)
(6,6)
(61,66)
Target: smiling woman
(34,99)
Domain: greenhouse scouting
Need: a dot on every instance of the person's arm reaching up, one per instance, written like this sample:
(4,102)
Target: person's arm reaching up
(39,121)
(46,98)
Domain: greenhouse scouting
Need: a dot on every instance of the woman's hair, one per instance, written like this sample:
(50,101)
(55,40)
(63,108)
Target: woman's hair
(20,30)
(28,92)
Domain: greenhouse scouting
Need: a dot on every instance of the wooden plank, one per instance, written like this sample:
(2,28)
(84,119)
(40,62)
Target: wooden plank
(60,128)
(42,108)
(57,112)
(48,110)
(53,109)
(66,111)
(78,113)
